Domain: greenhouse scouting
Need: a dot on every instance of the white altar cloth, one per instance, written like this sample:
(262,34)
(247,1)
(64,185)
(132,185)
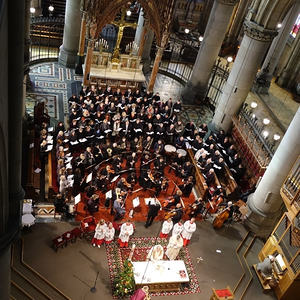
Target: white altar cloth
(160,272)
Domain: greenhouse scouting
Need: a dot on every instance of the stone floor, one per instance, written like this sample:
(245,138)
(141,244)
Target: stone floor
(73,269)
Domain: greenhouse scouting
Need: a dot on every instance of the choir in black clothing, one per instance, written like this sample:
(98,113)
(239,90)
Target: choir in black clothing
(109,127)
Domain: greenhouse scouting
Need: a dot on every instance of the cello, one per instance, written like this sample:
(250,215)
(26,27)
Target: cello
(221,218)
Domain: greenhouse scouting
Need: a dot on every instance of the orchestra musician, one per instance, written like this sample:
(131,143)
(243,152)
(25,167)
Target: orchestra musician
(195,208)
(160,164)
(174,200)
(187,186)
(131,161)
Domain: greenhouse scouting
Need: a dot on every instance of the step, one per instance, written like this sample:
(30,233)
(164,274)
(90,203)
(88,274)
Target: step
(35,278)
(242,251)
(18,293)
(25,283)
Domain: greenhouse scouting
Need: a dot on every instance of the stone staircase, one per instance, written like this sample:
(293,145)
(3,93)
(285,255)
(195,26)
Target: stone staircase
(27,283)
(247,255)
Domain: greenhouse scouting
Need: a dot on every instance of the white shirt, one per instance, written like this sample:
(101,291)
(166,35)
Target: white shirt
(125,232)
(188,230)
(109,234)
(100,231)
(166,227)
(177,229)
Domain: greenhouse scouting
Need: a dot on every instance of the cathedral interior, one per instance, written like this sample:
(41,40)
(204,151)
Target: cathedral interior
(144,101)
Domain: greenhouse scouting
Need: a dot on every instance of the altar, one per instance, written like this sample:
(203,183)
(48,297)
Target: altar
(125,73)
(164,275)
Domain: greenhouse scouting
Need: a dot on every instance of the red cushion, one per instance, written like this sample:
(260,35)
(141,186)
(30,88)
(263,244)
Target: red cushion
(223,293)
(67,235)
(76,232)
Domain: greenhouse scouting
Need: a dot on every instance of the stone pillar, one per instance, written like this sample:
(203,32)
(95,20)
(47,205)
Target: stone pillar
(139,29)
(237,22)
(265,203)
(277,47)
(288,70)
(142,41)
(213,37)
(88,62)
(5,274)
(69,48)
(147,50)
(253,48)
(80,55)
(159,53)
(26,36)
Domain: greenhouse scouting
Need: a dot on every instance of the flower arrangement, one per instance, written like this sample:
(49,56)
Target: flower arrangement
(124,284)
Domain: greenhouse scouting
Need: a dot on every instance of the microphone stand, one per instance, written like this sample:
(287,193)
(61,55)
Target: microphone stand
(93,288)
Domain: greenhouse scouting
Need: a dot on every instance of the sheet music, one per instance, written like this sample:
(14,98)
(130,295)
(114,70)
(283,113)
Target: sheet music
(89,178)
(108,194)
(77,199)
(115,178)
(136,202)
(149,201)
(49,148)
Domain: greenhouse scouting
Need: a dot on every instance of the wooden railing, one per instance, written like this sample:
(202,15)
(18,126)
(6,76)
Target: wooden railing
(290,190)
(201,186)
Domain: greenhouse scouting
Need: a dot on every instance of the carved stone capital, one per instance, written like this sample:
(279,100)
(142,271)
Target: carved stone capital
(228,2)
(258,32)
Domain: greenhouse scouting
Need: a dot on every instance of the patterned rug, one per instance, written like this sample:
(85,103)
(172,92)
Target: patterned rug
(116,256)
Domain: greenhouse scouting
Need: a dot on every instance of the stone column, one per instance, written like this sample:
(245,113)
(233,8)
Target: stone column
(27,36)
(213,37)
(265,203)
(80,55)
(288,70)
(147,50)
(277,47)
(159,53)
(237,22)
(253,48)
(69,48)
(88,62)
(142,41)
(139,29)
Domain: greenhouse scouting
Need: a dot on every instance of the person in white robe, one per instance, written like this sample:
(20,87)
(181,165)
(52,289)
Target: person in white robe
(156,253)
(109,234)
(174,246)
(99,235)
(177,229)
(125,232)
(189,228)
(166,228)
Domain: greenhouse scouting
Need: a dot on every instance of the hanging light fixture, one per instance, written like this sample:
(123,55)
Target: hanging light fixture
(253,104)
(279,25)
(128,13)
(200,38)
(32,10)
(51,8)
(276,137)
(229,59)
(186,30)
(265,133)
(266,121)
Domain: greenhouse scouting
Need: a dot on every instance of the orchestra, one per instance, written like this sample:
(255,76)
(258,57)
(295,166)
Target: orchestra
(124,140)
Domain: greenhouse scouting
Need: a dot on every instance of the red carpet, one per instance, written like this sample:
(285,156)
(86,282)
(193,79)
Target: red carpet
(116,256)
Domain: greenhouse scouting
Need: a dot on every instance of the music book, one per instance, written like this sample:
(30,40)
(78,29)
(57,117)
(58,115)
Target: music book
(108,194)
(89,178)
(149,201)
(77,199)
(50,129)
(74,143)
(49,148)
(115,178)
(136,202)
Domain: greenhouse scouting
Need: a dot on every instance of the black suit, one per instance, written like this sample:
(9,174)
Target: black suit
(152,213)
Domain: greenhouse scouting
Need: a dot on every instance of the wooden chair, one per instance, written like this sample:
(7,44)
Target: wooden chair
(88,226)
(58,242)
(67,236)
(76,233)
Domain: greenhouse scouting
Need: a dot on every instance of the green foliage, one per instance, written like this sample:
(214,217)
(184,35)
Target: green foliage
(124,284)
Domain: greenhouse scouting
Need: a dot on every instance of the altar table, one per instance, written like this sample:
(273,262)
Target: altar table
(166,275)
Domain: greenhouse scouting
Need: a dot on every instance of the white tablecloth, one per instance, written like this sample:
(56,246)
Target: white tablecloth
(160,272)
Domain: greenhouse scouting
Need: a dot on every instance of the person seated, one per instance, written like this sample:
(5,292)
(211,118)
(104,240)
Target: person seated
(174,200)
(265,268)
(187,186)
(159,147)
(210,177)
(180,143)
(119,209)
(93,204)
(186,170)
(156,253)
(196,208)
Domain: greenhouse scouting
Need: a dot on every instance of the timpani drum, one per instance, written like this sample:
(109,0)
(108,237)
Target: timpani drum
(169,149)
(182,152)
